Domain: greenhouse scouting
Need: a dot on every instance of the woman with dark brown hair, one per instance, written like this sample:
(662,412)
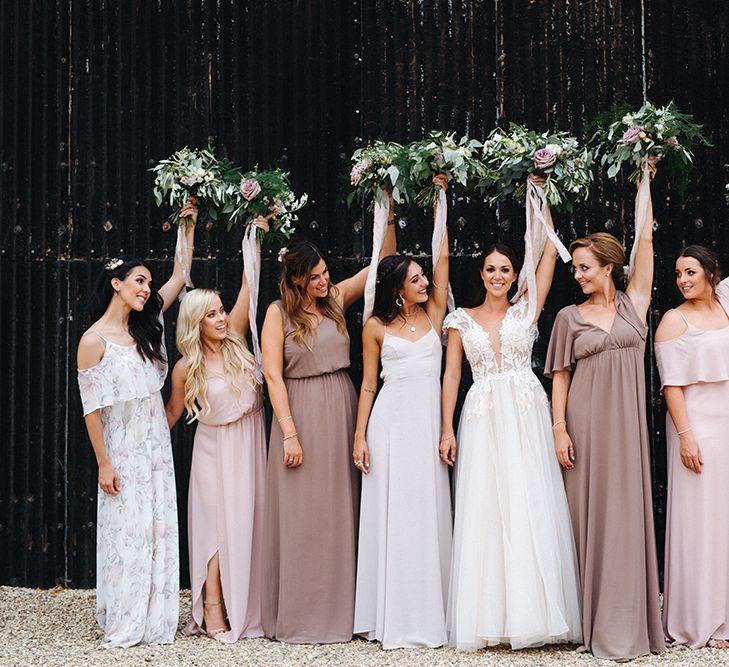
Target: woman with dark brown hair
(692,351)
(596,359)
(312,491)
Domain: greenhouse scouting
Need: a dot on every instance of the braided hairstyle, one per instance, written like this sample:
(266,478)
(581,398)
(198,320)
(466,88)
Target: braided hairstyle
(392,272)
(144,325)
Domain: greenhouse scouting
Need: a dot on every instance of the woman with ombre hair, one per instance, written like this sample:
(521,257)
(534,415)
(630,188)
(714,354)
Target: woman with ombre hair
(215,384)
(312,489)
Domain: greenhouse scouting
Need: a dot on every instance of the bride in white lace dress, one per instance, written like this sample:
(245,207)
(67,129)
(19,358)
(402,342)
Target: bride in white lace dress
(514,572)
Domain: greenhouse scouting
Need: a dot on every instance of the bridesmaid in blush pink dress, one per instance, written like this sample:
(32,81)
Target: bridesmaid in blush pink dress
(692,352)
(215,382)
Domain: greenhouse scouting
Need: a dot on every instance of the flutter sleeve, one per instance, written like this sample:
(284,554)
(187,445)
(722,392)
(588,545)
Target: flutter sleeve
(454,320)
(561,350)
(96,388)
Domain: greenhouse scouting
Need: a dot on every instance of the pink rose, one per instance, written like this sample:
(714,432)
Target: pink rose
(544,158)
(359,170)
(250,188)
(632,134)
(672,142)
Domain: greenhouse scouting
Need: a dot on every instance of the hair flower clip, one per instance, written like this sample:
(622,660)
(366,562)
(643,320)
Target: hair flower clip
(282,253)
(113,264)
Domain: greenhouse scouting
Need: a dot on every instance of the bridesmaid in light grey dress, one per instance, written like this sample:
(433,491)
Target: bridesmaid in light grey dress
(405,517)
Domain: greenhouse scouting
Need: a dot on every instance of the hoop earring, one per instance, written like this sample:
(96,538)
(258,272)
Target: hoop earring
(398,301)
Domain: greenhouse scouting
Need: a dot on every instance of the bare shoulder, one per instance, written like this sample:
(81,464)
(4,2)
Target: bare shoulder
(180,369)
(91,350)
(273,314)
(672,326)
(374,328)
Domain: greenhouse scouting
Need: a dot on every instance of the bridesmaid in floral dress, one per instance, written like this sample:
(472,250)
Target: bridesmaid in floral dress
(121,369)
(692,351)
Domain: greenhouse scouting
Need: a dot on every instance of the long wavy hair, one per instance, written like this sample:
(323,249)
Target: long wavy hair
(144,326)
(391,274)
(296,266)
(502,249)
(237,358)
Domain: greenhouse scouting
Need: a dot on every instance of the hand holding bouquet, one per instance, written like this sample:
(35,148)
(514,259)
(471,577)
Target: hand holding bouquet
(656,133)
(262,194)
(380,168)
(556,158)
(190,173)
(440,154)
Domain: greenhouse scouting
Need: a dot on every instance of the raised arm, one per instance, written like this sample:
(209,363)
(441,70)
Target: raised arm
(545,268)
(176,403)
(351,289)
(564,448)
(641,282)
(90,352)
(272,347)
(438,299)
(449,396)
(371,344)
(174,285)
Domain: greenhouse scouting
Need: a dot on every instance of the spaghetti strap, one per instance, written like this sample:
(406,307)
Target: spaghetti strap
(96,333)
(426,315)
(682,316)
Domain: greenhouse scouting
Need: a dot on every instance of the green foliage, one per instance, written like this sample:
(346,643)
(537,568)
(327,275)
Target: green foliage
(379,168)
(662,133)
(558,158)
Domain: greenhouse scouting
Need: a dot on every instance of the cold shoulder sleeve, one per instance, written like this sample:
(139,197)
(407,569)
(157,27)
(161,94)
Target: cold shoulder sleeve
(561,350)
(722,291)
(695,356)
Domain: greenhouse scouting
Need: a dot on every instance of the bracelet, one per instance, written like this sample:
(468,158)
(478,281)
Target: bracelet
(558,422)
(281,419)
(293,435)
(686,430)
(448,437)
(443,289)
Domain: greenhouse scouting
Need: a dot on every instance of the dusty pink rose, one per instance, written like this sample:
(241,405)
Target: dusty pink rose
(359,170)
(672,141)
(250,188)
(632,134)
(438,159)
(544,158)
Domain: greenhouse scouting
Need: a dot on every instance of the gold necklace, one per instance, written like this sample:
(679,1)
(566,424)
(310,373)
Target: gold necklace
(405,317)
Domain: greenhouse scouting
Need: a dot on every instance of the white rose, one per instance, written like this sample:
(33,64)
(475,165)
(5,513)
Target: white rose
(555,148)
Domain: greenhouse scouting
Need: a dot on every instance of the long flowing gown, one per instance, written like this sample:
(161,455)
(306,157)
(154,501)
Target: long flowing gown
(225,505)
(609,488)
(310,524)
(696,574)
(137,558)
(514,575)
(405,515)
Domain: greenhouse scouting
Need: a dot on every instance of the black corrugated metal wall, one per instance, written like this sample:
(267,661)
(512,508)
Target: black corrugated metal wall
(94,93)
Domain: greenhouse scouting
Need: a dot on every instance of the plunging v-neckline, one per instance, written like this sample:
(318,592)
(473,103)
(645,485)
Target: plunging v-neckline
(500,357)
(597,326)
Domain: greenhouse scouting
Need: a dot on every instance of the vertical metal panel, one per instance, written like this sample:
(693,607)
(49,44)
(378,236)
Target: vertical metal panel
(95,93)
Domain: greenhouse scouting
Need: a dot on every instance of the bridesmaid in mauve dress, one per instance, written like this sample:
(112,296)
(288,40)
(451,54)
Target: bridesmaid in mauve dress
(692,351)
(596,358)
(313,491)
(215,383)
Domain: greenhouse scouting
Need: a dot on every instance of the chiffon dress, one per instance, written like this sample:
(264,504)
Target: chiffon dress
(514,576)
(310,525)
(405,514)
(696,574)
(137,558)
(225,504)
(609,488)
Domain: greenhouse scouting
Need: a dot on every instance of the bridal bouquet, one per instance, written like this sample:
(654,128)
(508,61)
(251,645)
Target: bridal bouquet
(264,193)
(380,168)
(663,133)
(440,153)
(190,172)
(554,156)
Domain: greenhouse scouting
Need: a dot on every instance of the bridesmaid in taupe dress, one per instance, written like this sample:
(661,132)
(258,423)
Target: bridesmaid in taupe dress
(312,495)
(596,358)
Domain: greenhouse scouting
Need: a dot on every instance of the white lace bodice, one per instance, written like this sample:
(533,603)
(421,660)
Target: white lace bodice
(516,339)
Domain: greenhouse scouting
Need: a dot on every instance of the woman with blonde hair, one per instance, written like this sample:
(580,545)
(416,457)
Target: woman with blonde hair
(312,493)
(596,359)
(215,383)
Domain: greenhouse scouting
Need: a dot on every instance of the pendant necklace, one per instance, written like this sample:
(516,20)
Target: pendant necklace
(412,326)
